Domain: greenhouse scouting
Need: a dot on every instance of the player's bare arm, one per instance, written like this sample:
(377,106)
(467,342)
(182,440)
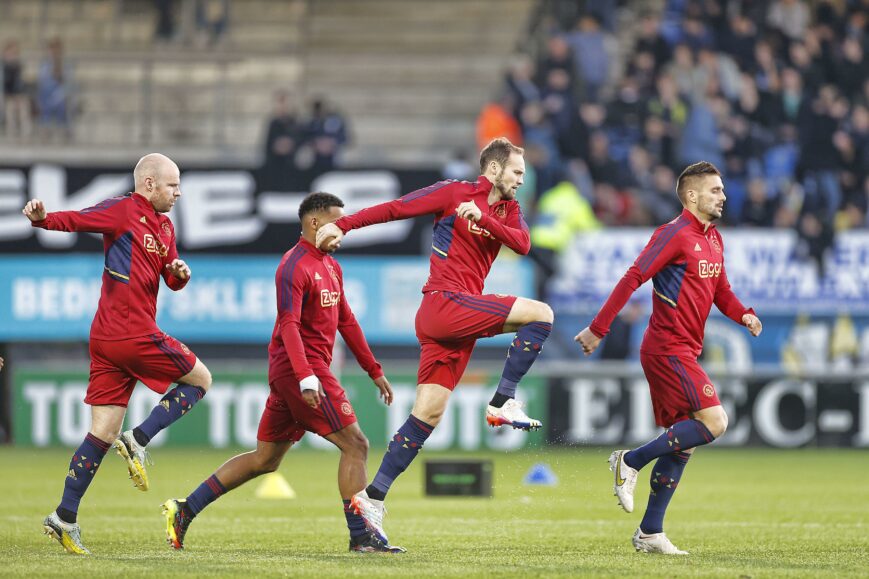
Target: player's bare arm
(469,210)
(34,210)
(753,324)
(587,340)
(179,269)
(329,230)
(385,389)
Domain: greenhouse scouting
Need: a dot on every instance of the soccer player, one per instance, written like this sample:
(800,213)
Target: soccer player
(472,222)
(304,396)
(125,343)
(685,260)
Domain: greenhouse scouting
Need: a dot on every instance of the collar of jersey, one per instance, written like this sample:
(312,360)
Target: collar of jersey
(696,223)
(312,251)
(143,201)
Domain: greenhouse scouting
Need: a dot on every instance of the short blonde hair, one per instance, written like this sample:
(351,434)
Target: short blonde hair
(498,150)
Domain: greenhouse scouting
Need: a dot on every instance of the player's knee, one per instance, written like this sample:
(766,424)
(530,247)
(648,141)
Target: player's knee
(107,435)
(716,423)
(544,313)
(267,463)
(359,446)
(205,379)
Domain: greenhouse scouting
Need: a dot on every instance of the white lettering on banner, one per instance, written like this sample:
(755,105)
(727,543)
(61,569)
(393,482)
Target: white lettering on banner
(590,409)
(642,426)
(862,436)
(40,396)
(767,418)
(220,399)
(224,300)
(734,393)
(762,267)
(249,404)
(54,298)
(12,199)
(217,209)
(48,183)
(73,416)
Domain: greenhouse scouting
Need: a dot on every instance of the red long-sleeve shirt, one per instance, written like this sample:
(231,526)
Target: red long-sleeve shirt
(462,251)
(311,308)
(138,243)
(685,261)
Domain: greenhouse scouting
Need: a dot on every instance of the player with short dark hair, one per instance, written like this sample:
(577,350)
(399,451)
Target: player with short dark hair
(125,343)
(472,222)
(685,261)
(304,395)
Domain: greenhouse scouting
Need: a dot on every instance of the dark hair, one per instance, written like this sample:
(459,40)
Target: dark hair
(685,180)
(498,150)
(318,202)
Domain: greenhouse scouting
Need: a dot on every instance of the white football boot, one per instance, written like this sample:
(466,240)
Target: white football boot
(655,543)
(511,414)
(625,480)
(372,512)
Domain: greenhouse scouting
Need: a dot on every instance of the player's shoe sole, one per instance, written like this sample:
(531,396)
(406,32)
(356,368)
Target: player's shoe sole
(137,471)
(497,421)
(624,480)
(67,541)
(371,543)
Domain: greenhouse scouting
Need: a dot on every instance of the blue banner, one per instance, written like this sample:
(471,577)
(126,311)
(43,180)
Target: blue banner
(229,299)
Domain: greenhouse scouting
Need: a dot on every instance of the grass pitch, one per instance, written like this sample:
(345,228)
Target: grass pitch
(741,513)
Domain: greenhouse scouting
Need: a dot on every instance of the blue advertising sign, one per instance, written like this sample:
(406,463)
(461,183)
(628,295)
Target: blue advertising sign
(229,299)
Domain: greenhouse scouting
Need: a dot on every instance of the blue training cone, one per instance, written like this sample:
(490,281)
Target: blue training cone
(541,474)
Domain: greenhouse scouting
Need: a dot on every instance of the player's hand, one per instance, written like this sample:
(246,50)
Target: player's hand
(587,340)
(469,210)
(753,324)
(179,269)
(324,233)
(34,210)
(385,389)
(312,397)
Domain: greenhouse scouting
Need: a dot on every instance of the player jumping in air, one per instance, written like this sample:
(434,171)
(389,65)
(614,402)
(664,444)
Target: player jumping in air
(685,260)
(472,222)
(125,343)
(305,396)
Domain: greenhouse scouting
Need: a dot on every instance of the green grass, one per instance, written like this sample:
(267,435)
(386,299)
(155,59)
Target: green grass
(741,513)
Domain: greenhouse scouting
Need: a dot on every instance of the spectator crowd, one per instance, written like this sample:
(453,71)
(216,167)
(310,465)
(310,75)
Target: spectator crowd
(773,92)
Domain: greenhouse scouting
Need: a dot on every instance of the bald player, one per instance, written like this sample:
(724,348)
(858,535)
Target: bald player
(126,345)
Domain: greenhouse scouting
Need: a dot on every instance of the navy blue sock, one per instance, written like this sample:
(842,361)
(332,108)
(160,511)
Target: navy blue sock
(175,404)
(402,449)
(355,523)
(82,468)
(681,436)
(520,355)
(665,478)
(205,494)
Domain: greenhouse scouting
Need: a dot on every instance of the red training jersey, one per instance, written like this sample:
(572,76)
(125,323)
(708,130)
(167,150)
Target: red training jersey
(462,251)
(685,261)
(138,243)
(311,308)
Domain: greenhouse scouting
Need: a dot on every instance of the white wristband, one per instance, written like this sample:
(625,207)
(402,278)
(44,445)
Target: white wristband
(309,383)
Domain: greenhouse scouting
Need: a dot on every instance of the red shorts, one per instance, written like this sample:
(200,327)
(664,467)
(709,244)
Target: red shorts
(448,325)
(287,416)
(157,360)
(679,386)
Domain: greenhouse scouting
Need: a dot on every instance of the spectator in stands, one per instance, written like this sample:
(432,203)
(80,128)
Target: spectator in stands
(591,47)
(165,26)
(327,134)
(54,88)
(212,17)
(739,39)
(558,56)
(649,39)
(790,17)
(496,120)
(521,85)
(16,101)
(819,158)
(759,208)
(284,136)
